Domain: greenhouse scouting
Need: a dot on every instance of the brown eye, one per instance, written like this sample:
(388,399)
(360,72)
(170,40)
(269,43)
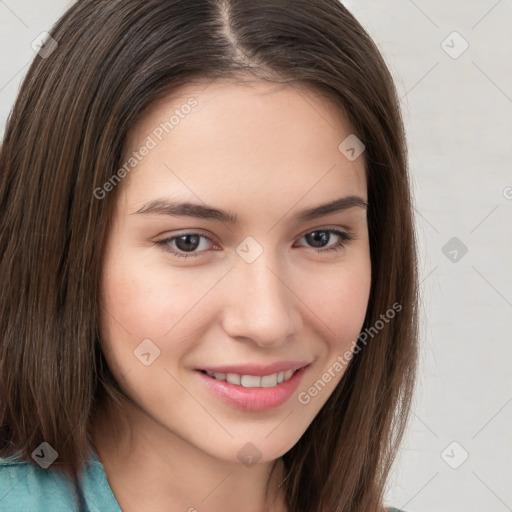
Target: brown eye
(320,238)
(184,245)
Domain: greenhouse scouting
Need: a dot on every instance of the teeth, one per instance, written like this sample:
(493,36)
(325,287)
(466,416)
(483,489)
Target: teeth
(250,381)
(268,381)
(232,378)
(253,381)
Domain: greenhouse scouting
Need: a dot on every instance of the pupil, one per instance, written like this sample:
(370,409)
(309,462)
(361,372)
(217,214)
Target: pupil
(187,246)
(318,236)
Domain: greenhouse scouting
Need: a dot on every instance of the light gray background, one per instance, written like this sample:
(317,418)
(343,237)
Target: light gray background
(458,115)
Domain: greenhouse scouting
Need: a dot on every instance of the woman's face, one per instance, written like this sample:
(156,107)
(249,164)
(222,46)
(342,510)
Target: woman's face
(255,297)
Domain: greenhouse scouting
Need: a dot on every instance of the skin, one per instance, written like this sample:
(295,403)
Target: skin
(263,151)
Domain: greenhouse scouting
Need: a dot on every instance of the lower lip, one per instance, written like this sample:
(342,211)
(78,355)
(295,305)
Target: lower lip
(254,399)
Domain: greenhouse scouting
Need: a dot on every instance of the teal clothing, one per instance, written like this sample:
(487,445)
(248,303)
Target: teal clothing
(25,487)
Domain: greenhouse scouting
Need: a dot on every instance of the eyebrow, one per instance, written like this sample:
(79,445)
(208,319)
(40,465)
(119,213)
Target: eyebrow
(201,211)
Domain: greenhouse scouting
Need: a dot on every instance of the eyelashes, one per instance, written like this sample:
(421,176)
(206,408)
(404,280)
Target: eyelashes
(343,238)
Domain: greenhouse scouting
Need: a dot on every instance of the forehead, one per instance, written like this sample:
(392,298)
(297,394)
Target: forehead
(246,139)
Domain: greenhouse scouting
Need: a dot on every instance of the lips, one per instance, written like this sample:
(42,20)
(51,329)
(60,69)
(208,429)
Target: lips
(255,396)
(252,381)
(256,369)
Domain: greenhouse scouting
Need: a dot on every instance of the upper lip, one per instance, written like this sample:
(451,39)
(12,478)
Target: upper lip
(256,369)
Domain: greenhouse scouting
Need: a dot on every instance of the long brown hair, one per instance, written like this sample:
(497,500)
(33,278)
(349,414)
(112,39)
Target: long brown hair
(66,137)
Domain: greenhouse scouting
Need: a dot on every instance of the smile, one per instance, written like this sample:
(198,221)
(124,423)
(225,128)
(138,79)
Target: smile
(253,393)
(253,381)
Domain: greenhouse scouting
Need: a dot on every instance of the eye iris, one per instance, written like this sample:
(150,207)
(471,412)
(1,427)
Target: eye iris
(318,236)
(188,245)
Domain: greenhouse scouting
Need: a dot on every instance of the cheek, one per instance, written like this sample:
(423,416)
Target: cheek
(339,305)
(143,298)
(143,301)
(339,300)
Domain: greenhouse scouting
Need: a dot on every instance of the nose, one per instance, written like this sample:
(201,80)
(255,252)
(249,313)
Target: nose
(261,304)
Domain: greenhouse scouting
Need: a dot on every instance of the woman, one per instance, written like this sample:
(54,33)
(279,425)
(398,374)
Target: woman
(208,273)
